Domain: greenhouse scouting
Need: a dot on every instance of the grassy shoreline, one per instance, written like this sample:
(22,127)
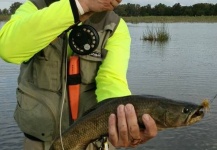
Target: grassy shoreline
(171,19)
(4,17)
(157,19)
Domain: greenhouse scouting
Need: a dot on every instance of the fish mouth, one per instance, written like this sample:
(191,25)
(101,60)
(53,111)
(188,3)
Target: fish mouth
(196,115)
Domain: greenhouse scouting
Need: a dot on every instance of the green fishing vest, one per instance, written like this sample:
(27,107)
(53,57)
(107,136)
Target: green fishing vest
(42,81)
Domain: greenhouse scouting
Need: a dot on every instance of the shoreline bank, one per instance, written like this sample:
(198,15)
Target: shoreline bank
(157,19)
(171,19)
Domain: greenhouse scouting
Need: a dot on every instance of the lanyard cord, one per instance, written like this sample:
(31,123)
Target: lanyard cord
(76,18)
(64,71)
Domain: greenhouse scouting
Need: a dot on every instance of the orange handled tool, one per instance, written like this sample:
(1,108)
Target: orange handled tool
(74,81)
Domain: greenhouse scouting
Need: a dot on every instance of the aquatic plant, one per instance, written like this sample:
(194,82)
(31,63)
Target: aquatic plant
(159,33)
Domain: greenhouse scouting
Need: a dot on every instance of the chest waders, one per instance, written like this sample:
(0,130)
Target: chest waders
(42,81)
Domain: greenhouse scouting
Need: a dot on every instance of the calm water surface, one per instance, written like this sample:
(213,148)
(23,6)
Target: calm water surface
(184,68)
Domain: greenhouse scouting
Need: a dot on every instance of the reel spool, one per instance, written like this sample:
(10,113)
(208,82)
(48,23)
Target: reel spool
(83,39)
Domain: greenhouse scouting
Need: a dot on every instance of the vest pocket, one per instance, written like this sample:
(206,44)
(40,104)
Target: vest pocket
(88,69)
(34,117)
(46,74)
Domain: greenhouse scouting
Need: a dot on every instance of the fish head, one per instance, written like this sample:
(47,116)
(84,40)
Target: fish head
(177,114)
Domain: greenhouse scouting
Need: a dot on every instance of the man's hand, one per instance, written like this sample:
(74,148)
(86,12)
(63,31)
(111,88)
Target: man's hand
(98,5)
(124,129)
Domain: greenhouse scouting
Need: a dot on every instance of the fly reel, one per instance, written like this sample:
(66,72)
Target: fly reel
(83,39)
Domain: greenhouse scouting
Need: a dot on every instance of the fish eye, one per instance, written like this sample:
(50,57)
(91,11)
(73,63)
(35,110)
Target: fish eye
(186,110)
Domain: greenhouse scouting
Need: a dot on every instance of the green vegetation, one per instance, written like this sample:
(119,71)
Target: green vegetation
(11,10)
(200,9)
(159,34)
(6,13)
(171,19)
(4,17)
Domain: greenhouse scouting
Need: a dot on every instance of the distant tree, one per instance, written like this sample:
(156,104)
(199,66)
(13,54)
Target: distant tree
(149,9)
(128,9)
(14,7)
(121,10)
(203,9)
(146,10)
(176,9)
(0,11)
(160,9)
(132,9)
(197,9)
(211,11)
(137,10)
(187,11)
(5,11)
(215,9)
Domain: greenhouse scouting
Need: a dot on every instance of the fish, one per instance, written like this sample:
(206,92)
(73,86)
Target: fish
(93,125)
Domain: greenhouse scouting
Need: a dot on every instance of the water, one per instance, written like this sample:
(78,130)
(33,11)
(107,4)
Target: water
(10,135)
(183,68)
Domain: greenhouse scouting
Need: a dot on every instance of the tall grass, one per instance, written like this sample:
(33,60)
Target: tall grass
(171,19)
(4,17)
(159,33)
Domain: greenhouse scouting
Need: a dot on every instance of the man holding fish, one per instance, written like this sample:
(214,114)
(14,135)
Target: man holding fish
(36,37)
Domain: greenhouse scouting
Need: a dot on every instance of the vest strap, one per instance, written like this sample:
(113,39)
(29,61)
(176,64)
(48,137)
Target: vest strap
(73,79)
(74,10)
(48,2)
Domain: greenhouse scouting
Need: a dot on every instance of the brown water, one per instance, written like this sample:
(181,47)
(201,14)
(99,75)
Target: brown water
(184,68)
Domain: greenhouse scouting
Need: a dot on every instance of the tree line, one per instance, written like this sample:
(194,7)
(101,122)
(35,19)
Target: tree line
(200,9)
(11,9)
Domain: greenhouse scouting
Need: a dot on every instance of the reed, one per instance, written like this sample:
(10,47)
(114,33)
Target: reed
(159,34)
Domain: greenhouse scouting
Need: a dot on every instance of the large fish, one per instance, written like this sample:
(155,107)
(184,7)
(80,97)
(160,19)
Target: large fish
(94,123)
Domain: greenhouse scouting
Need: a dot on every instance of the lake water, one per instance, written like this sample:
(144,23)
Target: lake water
(184,68)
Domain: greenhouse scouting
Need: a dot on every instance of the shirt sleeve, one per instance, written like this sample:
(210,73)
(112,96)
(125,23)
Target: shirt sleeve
(29,30)
(111,78)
